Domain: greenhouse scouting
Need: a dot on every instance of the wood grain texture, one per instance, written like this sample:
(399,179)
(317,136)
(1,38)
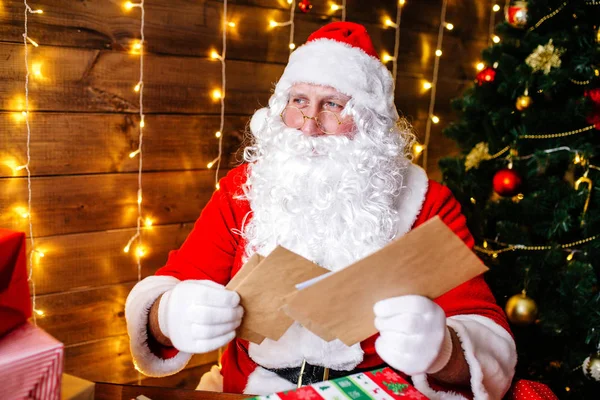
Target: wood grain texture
(91,259)
(109,360)
(107,391)
(88,203)
(75,144)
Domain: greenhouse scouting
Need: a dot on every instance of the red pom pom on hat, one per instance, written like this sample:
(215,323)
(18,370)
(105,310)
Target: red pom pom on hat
(350,33)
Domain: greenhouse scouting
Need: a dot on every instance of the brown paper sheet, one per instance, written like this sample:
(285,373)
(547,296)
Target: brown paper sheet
(262,291)
(243,331)
(429,260)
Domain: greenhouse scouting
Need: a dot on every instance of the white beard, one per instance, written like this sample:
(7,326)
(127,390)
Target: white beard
(329,198)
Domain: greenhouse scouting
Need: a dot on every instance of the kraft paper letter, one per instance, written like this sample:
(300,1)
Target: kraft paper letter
(263,289)
(429,261)
(242,331)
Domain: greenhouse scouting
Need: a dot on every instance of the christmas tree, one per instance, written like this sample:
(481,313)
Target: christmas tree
(528,182)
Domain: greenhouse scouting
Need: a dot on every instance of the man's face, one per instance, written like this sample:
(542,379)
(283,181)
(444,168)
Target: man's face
(317,110)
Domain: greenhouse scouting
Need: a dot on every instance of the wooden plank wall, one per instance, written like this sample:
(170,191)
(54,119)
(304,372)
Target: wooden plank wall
(84,122)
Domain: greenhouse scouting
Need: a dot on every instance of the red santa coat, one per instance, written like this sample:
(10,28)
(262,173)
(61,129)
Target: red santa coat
(214,251)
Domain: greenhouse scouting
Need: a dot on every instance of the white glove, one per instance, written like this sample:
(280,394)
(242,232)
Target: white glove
(199,316)
(413,334)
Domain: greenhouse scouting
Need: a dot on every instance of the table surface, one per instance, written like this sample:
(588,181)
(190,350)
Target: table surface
(106,391)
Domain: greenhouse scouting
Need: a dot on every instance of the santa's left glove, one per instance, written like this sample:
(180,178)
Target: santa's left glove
(413,337)
(199,316)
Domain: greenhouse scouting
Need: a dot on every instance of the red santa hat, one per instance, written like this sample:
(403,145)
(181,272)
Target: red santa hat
(341,55)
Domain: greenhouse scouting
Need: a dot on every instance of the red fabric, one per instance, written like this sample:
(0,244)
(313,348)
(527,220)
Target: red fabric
(213,251)
(349,33)
(529,390)
(15,304)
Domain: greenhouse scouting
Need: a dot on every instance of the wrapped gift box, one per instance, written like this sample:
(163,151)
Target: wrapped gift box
(15,304)
(380,384)
(31,364)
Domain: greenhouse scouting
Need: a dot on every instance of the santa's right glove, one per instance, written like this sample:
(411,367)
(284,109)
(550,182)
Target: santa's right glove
(413,336)
(199,315)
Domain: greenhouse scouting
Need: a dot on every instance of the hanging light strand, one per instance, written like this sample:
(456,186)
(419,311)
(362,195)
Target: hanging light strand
(290,22)
(221,58)
(29,10)
(139,88)
(431,118)
(396,41)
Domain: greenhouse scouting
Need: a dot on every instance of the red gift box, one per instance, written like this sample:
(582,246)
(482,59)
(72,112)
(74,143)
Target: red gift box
(15,304)
(31,364)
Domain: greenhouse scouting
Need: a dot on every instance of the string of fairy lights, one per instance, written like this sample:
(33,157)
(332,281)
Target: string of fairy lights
(289,22)
(26,115)
(220,94)
(138,48)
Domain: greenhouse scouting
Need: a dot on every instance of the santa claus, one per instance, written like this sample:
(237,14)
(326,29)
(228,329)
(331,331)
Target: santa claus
(327,176)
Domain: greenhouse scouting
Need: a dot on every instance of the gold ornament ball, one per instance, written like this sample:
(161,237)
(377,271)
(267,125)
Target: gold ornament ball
(523,102)
(591,367)
(521,310)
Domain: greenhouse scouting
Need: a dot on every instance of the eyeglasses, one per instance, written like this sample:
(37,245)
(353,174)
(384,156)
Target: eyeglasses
(328,122)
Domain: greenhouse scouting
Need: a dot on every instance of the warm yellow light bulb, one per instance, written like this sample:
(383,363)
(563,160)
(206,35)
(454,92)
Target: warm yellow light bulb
(388,22)
(139,197)
(401,2)
(22,211)
(216,94)
(136,47)
(570,256)
(386,57)
(39,312)
(290,1)
(577,159)
(218,134)
(473,201)
(427,85)
(140,251)
(480,66)
(418,148)
(38,11)
(148,222)
(209,165)
(214,55)
(217,186)
(449,26)
(292,46)
(126,249)
(438,53)
(335,7)
(24,113)
(435,119)
(496,8)
(231,24)
(128,5)
(134,153)
(142,123)
(33,42)
(273,24)
(137,88)
(36,69)
(485,244)
(496,39)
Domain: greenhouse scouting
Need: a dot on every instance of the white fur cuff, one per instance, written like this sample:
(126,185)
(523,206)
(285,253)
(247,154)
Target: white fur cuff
(137,307)
(491,354)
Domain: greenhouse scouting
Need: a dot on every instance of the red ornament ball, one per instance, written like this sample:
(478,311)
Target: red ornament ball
(305,6)
(507,182)
(486,75)
(515,13)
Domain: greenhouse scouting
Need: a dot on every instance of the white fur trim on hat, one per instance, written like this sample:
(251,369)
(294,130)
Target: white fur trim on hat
(491,354)
(137,308)
(346,68)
